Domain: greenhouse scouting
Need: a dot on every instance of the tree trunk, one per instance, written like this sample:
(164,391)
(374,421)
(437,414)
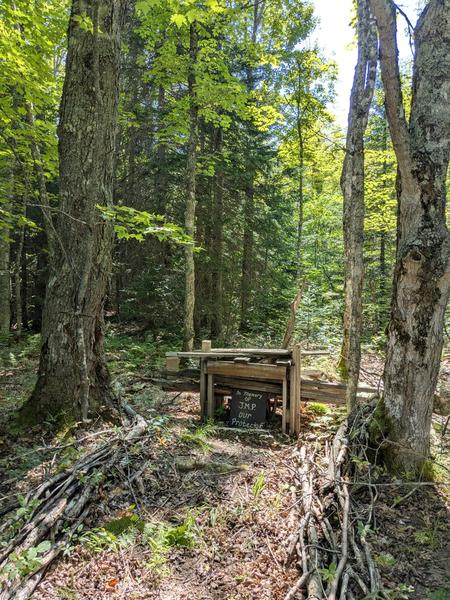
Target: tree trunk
(17,280)
(161,152)
(300,202)
(24,284)
(247,256)
(189,218)
(352,184)
(249,202)
(422,271)
(217,243)
(5,276)
(73,380)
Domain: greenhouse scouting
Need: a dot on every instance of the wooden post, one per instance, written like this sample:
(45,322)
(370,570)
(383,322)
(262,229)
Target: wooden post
(210,395)
(292,397)
(203,389)
(296,370)
(172,362)
(206,345)
(285,398)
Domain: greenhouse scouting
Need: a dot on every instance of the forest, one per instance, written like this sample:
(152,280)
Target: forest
(224,309)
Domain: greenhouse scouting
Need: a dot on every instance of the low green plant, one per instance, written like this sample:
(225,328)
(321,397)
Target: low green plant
(328,573)
(318,408)
(26,562)
(385,560)
(98,539)
(440,594)
(162,537)
(199,436)
(259,484)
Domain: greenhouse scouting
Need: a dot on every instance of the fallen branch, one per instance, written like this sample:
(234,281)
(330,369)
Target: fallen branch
(59,506)
(330,541)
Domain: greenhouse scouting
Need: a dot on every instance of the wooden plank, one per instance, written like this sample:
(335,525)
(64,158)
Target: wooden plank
(256,351)
(285,407)
(329,385)
(172,363)
(249,384)
(250,371)
(210,396)
(321,397)
(229,352)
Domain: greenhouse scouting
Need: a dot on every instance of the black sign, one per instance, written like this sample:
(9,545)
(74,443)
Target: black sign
(248,408)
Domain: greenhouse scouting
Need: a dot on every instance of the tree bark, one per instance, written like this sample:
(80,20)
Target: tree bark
(73,380)
(18,313)
(249,200)
(217,243)
(301,176)
(189,218)
(422,271)
(5,275)
(352,185)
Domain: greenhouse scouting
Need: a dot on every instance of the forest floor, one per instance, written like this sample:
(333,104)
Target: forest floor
(202,511)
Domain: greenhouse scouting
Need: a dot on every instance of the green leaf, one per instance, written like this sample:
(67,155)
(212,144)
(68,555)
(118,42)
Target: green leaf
(179,20)
(43,547)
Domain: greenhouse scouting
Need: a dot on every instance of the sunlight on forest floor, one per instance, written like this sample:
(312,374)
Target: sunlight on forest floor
(207,515)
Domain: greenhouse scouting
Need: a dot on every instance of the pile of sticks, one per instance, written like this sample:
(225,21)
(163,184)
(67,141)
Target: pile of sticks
(330,544)
(58,507)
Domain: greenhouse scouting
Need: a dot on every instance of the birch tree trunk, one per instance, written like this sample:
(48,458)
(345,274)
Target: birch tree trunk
(352,185)
(422,271)
(73,380)
(189,217)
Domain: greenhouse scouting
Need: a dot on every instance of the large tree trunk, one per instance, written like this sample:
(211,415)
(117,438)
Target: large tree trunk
(352,184)
(73,380)
(422,270)
(189,217)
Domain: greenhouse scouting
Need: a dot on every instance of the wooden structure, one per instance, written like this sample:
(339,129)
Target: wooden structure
(275,371)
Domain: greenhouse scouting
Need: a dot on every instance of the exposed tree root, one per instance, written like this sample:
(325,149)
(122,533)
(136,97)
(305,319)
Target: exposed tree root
(58,507)
(330,544)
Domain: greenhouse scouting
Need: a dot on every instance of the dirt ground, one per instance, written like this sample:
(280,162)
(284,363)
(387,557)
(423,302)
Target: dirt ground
(204,512)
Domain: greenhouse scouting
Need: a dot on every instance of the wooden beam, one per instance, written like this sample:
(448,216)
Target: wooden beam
(329,385)
(229,352)
(250,371)
(249,384)
(308,395)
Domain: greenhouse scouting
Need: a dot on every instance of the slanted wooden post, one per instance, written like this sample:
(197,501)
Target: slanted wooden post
(172,362)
